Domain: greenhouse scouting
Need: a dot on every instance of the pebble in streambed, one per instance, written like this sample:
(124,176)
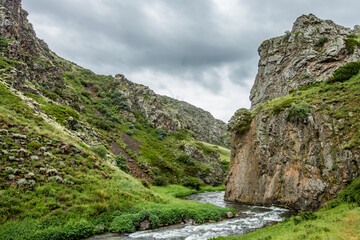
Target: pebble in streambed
(252,217)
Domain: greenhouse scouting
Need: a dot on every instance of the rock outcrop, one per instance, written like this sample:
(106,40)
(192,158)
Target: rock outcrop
(303,163)
(171,114)
(309,53)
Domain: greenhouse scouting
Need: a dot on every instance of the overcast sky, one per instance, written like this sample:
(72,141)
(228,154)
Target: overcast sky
(200,51)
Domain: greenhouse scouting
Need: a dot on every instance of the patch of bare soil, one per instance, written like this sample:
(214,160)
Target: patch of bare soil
(98,113)
(135,170)
(131,143)
(91,90)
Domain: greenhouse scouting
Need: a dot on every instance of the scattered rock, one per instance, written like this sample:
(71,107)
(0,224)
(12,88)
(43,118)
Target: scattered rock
(104,174)
(30,175)
(42,170)
(22,182)
(52,172)
(190,221)
(20,136)
(11,177)
(4,132)
(229,215)
(145,225)
(56,178)
(34,158)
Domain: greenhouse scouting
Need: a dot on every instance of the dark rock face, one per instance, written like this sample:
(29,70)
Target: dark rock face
(300,165)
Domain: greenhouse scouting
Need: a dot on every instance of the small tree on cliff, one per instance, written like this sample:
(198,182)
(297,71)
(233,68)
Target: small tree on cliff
(241,121)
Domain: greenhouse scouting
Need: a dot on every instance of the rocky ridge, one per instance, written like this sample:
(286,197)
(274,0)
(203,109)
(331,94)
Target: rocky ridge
(310,53)
(298,150)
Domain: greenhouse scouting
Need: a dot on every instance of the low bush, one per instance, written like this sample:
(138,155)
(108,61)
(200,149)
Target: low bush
(345,72)
(121,163)
(321,41)
(160,181)
(241,120)
(299,112)
(351,42)
(100,150)
(192,182)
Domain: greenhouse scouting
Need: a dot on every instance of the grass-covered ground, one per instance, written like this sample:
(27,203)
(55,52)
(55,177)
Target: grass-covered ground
(54,186)
(340,219)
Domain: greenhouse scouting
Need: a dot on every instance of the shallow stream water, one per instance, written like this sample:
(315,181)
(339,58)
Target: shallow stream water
(251,218)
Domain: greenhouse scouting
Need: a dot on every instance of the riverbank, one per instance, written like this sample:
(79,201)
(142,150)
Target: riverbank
(248,219)
(340,219)
(157,205)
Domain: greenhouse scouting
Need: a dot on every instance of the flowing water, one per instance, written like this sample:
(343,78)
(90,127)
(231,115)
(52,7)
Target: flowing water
(251,218)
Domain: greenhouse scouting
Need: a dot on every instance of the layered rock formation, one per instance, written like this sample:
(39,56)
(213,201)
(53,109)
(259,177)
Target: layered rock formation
(309,53)
(303,163)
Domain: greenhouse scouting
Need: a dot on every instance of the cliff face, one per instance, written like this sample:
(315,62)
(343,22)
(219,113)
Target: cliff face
(309,53)
(300,149)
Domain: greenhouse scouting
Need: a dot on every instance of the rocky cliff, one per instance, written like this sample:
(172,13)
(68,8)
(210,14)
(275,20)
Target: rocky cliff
(309,53)
(298,146)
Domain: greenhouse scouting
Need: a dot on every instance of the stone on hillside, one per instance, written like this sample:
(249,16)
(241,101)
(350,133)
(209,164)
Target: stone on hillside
(56,178)
(11,177)
(4,132)
(20,136)
(30,175)
(42,170)
(52,172)
(12,158)
(145,225)
(34,158)
(22,182)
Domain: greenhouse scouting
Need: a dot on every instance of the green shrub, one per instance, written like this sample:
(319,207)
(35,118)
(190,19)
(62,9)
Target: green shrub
(186,159)
(121,163)
(192,182)
(131,132)
(3,43)
(160,181)
(145,183)
(241,121)
(299,112)
(345,72)
(100,150)
(161,134)
(34,145)
(321,41)
(351,42)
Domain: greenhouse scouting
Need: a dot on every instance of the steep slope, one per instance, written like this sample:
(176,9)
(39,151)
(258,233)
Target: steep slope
(78,150)
(109,113)
(300,148)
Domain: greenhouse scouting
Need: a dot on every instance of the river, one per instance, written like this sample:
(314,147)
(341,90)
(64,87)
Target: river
(250,219)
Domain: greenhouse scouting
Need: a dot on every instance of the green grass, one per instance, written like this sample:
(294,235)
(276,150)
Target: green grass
(340,219)
(342,222)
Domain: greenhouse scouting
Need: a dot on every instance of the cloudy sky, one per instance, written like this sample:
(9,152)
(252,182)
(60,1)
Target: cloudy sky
(200,51)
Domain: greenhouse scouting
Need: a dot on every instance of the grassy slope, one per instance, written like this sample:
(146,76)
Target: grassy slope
(56,210)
